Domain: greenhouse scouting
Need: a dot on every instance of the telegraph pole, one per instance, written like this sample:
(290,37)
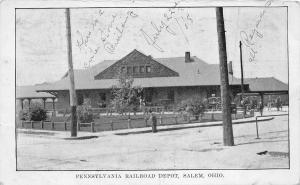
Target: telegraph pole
(225,91)
(242,70)
(73,100)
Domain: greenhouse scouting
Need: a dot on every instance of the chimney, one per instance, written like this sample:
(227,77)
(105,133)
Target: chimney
(187,57)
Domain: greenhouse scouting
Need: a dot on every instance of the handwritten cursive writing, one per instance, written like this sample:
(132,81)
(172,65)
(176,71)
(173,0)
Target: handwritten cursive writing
(110,35)
(250,39)
(171,18)
(83,39)
(110,46)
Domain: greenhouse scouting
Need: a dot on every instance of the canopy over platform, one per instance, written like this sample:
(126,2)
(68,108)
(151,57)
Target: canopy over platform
(269,85)
(29,92)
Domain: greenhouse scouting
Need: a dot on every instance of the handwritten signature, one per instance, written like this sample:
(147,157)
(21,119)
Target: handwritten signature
(110,35)
(170,18)
(248,39)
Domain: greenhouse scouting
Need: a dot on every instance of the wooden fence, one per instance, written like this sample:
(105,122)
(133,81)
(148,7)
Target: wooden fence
(65,125)
(106,123)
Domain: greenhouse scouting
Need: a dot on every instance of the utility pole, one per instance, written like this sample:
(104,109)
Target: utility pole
(225,91)
(73,100)
(242,70)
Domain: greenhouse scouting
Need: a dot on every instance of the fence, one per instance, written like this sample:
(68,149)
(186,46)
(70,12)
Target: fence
(117,122)
(94,126)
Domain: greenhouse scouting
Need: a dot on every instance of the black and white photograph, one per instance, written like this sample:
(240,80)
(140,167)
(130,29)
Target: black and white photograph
(133,91)
(152,88)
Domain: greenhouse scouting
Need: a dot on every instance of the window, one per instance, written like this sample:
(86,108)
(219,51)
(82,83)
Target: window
(80,99)
(129,70)
(148,69)
(212,93)
(102,102)
(135,69)
(123,69)
(102,96)
(171,95)
(142,69)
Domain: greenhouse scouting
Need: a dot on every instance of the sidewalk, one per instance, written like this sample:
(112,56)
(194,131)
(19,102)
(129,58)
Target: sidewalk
(199,147)
(160,128)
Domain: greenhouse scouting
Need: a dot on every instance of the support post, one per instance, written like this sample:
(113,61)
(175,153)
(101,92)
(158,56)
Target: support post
(154,122)
(146,122)
(129,121)
(44,103)
(92,127)
(226,113)
(29,102)
(257,136)
(262,103)
(22,103)
(73,100)
(53,104)
(112,125)
(242,70)
(160,120)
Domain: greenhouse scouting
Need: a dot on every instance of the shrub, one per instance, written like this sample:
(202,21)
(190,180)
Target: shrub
(24,115)
(193,106)
(38,114)
(86,117)
(84,114)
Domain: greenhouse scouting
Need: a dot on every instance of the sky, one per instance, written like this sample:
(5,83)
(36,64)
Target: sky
(111,33)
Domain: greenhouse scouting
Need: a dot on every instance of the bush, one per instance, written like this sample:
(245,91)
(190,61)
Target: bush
(192,106)
(84,114)
(86,117)
(38,114)
(24,115)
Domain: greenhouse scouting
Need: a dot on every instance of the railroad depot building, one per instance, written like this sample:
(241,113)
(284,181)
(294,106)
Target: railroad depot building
(164,81)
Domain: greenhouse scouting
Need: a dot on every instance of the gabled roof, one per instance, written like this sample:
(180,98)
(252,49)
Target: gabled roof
(196,73)
(136,58)
(23,92)
(267,84)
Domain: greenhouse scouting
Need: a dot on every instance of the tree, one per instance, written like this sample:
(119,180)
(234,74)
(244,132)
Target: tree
(126,97)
